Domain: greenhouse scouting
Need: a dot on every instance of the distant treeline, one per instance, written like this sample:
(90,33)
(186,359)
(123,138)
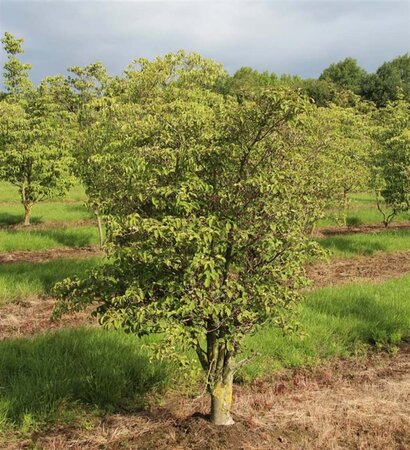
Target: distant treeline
(390,82)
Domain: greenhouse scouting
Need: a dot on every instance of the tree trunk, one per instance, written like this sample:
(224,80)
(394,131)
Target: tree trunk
(221,402)
(345,206)
(100,229)
(27,213)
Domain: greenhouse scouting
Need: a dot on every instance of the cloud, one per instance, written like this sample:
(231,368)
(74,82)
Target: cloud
(285,37)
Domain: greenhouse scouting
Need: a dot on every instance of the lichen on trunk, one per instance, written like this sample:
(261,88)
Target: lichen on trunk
(27,214)
(221,402)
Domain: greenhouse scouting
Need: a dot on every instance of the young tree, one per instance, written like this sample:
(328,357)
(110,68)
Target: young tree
(87,84)
(341,145)
(33,135)
(15,75)
(391,162)
(206,217)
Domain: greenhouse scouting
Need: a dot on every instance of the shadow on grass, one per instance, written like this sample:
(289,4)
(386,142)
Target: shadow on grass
(23,239)
(40,278)
(348,244)
(46,377)
(368,314)
(16,219)
(78,237)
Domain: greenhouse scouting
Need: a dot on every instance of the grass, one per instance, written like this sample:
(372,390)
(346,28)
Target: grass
(13,214)
(67,374)
(362,216)
(9,193)
(337,322)
(348,245)
(19,281)
(69,208)
(12,240)
(362,211)
(61,375)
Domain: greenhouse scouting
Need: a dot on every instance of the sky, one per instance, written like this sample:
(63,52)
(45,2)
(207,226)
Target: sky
(296,37)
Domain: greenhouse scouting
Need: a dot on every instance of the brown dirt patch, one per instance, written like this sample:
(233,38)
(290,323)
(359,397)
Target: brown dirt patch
(370,228)
(46,255)
(49,225)
(30,317)
(351,404)
(375,268)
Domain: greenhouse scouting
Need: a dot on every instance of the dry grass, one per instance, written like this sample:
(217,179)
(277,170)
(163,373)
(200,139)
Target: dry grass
(352,404)
(374,268)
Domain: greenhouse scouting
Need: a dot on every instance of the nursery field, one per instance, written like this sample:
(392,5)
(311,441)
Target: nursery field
(341,379)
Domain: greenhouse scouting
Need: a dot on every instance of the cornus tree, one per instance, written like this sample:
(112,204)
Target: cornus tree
(341,135)
(391,162)
(34,134)
(85,85)
(205,221)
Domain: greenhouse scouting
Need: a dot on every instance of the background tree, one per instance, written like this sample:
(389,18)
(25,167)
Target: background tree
(390,82)
(391,170)
(206,235)
(34,134)
(346,74)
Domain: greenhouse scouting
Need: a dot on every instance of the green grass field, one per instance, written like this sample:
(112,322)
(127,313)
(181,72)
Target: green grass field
(72,376)
(362,211)
(68,209)
(13,214)
(19,281)
(65,375)
(62,376)
(359,217)
(12,240)
(348,245)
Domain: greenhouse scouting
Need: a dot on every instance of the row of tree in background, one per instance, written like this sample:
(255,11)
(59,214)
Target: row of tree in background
(209,185)
(354,142)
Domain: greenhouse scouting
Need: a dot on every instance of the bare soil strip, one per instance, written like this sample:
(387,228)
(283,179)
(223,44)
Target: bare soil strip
(346,404)
(375,268)
(369,228)
(50,254)
(31,317)
(49,225)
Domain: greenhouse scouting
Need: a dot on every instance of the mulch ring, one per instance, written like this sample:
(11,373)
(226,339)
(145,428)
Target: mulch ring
(375,268)
(54,253)
(358,403)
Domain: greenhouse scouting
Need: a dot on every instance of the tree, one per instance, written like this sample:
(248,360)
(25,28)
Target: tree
(347,74)
(247,80)
(206,217)
(15,76)
(34,134)
(85,85)
(391,170)
(391,80)
(340,145)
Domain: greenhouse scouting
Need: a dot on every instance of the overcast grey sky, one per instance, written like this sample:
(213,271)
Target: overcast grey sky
(298,37)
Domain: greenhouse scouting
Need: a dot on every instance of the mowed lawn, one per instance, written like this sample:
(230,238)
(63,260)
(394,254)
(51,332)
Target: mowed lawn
(20,281)
(359,244)
(362,210)
(14,240)
(66,375)
(71,208)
